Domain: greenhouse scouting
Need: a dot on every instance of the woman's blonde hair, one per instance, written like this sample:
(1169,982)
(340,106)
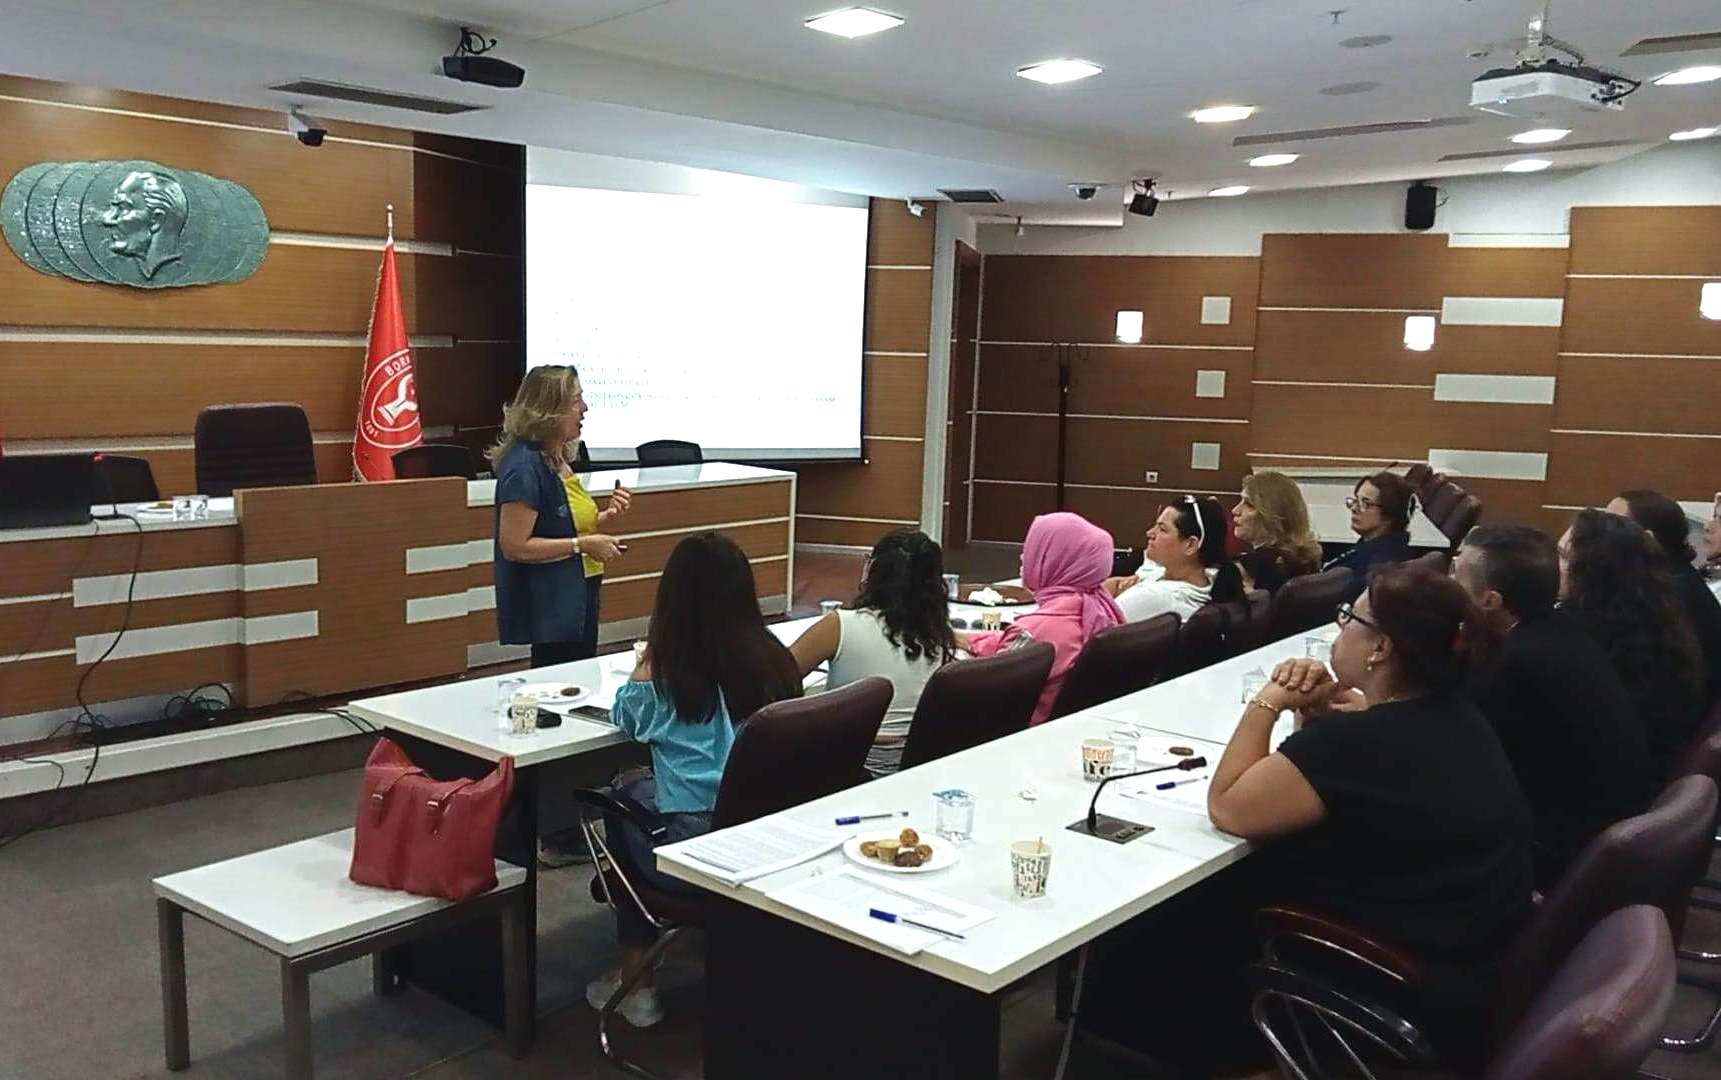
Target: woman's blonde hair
(537,411)
(1284,517)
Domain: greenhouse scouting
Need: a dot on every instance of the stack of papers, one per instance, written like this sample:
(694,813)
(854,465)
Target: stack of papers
(759,848)
(1189,796)
(847,898)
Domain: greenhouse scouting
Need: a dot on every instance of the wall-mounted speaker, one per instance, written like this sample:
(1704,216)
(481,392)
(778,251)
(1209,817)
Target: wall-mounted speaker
(1419,205)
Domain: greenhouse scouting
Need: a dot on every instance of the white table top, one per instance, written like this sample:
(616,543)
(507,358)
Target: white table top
(655,478)
(153,520)
(297,898)
(1094,885)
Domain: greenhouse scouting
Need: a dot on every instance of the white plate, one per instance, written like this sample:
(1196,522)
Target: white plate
(944,853)
(551,693)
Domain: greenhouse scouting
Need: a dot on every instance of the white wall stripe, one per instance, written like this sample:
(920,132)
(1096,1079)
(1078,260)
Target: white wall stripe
(154,640)
(867,520)
(1489,464)
(480,551)
(1642,277)
(885,352)
(1495,389)
(1370,310)
(1329,457)
(894,438)
(1143,345)
(1351,385)
(360,243)
(659,573)
(1508,240)
(1637,434)
(426,560)
(1108,487)
(1646,356)
(19,658)
(289,626)
(897,266)
(286,574)
(1120,416)
(85,335)
(432,608)
(155,585)
(481,598)
(1502,310)
(37,598)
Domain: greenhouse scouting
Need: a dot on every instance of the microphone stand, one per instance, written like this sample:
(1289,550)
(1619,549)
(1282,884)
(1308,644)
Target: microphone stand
(1117,830)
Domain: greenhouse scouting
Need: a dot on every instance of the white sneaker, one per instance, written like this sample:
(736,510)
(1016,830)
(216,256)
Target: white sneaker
(640,1008)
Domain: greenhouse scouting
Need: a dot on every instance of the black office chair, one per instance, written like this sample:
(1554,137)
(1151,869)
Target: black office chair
(252,446)
(1306,602)
(1117,661)
(121,479)
(434,459)
(969,702)
(668,452)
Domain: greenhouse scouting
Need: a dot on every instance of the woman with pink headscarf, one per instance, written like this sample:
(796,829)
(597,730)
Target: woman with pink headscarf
(1065,561)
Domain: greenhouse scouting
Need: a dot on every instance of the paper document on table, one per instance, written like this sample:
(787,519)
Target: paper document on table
(1190,794)
(758,848)
(847,897)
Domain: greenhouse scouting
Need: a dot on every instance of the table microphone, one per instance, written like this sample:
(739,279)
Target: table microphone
(1118,830)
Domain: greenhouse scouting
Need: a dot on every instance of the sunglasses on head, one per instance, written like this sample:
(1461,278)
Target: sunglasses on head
(1194,505)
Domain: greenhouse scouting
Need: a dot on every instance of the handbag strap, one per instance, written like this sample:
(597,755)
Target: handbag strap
(438,806)
(379,797)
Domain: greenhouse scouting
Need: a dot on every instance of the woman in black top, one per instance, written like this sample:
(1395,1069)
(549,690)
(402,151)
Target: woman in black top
(1614,581)
(1665,520)
(1393,807)
(1380,507)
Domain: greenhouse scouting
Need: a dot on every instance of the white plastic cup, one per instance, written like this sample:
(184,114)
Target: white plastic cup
(1097,756)
(1030,866)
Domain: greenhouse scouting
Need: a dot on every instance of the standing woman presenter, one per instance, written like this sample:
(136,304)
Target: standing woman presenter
(550,544)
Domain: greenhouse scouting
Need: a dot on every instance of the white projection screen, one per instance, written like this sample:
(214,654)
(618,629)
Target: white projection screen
(720,309)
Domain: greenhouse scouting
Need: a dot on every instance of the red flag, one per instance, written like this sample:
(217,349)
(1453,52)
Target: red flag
(388,396)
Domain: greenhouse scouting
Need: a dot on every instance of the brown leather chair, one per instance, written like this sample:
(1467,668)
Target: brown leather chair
(264,445)
(788,753)
(1442,500)
(1462,519)
(1438,561)
(1250,631)
(435,459)
(969,702)
(1418,475)
(1117,661)
(122,479)
(1595,1018)
(1303,603)
(1201,638)
(668,452)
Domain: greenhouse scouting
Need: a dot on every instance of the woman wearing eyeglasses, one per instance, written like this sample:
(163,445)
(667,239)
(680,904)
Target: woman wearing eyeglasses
(1186,565)
(1380,507)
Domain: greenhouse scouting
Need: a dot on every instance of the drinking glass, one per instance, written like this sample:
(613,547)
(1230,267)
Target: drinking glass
(1123,757)
(955,815)
(1253,683)
(505,690)
(1318,648)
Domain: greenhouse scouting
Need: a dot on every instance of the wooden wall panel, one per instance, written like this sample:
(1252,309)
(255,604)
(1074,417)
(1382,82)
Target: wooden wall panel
(1648,393)
(1646,240)
(1110,452)
(1641,315)
(896,237)
(1368,346)
(1015,448)
(896,396)
(1342,421)
(841,532)
(887,485)
(1398,270)
(34,567)
(898,310)
(466,386)
(655,510)
(1076,298)
(1114,381)
(1588,470)
(1002,511)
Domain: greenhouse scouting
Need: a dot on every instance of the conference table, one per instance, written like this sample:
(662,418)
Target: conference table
(789,994)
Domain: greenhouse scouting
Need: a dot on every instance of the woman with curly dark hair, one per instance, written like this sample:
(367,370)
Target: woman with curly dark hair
(898,627)
(1614,581)
(1666,521)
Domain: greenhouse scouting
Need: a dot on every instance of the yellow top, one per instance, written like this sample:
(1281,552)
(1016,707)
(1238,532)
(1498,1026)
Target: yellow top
(585,511)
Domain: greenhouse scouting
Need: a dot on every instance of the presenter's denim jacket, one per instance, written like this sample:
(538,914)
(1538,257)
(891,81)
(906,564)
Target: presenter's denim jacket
(537,603)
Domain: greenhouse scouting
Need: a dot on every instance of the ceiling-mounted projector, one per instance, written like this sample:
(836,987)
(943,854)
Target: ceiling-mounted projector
(468,64)
(1541,87)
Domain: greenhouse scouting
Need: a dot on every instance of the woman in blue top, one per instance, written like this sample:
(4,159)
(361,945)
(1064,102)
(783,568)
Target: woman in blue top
(709,664)
(546,596)
(1380,507)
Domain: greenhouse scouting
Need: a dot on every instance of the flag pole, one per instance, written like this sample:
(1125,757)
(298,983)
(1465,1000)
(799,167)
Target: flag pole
(391,223)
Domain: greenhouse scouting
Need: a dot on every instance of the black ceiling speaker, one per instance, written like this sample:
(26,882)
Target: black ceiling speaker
(1419,205)
(1145,202)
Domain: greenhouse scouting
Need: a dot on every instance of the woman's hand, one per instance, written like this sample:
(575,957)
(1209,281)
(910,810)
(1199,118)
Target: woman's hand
(1115,585)
(600,547)
(1303,684)
(621,501)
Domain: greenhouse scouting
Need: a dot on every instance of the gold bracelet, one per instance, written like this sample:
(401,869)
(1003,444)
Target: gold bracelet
(1259,704)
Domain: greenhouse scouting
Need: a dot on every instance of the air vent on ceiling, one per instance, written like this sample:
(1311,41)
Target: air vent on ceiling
(971,195)
(1675,43)
(1481,155)
(1269,137)
(366,95)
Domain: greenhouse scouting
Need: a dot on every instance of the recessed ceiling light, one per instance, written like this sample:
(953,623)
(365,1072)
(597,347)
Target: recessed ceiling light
(1541,135)
(1268,161)
(1694,133)
(1690,75)
(1227,192)
(1222,114)
(1053,72)
(853,22)
(1528,165)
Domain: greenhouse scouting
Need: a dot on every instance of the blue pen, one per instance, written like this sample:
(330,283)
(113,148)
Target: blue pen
(886,916)
(1169,784)
(856,819)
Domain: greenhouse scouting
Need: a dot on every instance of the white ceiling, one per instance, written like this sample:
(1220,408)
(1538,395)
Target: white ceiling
(741,85)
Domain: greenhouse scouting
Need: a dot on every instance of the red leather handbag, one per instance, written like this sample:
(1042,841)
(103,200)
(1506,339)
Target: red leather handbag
(425,836)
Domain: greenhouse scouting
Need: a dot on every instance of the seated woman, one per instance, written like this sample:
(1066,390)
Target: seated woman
(1614,582)
(1380,507)
(1394,807)
(709,664)
(1665,520)
(1186,565)
(1065,559)
(898,627)
(1272,518)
